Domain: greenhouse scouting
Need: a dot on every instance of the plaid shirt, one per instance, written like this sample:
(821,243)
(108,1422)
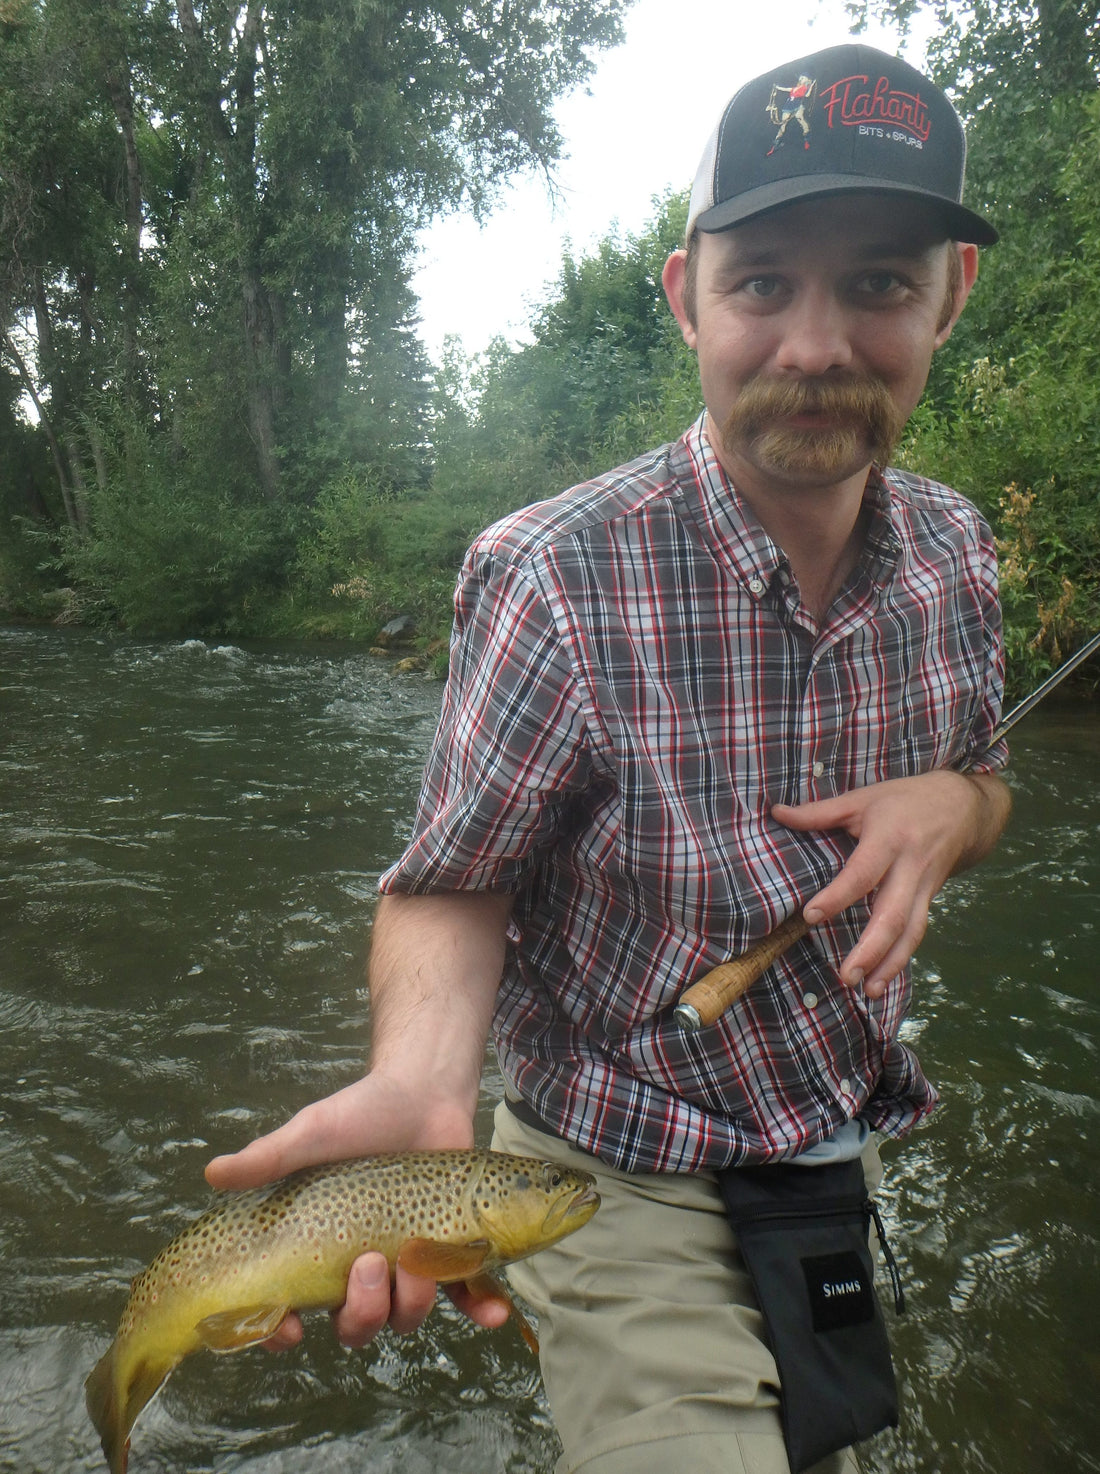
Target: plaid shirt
(633,683)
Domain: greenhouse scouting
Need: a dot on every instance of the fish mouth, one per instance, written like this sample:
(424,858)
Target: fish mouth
(569,1213)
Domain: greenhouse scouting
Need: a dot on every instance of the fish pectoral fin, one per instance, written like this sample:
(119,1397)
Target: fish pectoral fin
(233,1330)
(435,1260)
(487,1286)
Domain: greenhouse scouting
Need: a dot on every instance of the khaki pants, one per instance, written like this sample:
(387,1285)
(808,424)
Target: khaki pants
(651,1344)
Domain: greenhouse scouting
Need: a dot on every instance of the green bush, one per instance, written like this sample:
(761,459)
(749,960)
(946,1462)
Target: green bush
(1007,443)
(166,553)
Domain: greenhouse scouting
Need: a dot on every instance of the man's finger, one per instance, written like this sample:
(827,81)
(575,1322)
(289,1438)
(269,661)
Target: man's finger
(822,813)
(325,1131)
(413,1297)
(289,1334)
(887,944)
(857,878)
(268,1157)
(487,1307)
(259,1162)
(368,1305)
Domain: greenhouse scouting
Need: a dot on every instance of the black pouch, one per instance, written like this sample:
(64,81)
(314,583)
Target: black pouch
(803,1233)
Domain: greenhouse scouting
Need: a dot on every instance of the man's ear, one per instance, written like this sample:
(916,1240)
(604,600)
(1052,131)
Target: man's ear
(968,275)
(672,279)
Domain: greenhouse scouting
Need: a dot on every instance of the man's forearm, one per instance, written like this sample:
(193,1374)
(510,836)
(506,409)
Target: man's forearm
(991,816)
(435,968)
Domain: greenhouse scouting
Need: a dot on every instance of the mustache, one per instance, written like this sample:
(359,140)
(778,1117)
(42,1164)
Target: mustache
(862,397)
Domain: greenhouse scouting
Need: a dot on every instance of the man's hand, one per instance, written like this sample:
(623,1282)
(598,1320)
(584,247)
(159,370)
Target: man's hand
(911,833)
(368,1117)
(376,1114)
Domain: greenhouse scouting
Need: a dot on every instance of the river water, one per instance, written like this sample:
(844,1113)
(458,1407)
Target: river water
(190,836)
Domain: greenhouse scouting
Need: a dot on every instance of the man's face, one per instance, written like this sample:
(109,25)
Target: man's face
(815,327)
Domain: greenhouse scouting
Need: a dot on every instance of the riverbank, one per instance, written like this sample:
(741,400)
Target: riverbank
(410,626)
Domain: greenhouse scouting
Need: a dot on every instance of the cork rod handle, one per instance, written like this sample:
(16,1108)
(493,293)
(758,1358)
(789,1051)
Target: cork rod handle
(709,996)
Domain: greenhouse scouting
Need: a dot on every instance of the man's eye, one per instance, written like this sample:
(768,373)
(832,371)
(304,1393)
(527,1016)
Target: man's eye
(879,283)
(761,287)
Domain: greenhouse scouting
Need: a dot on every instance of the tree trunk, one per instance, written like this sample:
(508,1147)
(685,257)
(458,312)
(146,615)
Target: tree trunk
(121,95)
(261,351)
(74,512)
(265,356)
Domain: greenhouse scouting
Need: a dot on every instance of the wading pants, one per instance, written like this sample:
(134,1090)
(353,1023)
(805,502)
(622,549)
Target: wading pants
(652,1347)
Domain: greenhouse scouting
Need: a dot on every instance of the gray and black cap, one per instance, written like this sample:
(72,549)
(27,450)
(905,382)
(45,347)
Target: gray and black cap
(843,120)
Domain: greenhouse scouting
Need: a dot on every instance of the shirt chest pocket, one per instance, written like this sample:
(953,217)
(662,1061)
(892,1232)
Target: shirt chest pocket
(920,710)
(914,732)
(921,752)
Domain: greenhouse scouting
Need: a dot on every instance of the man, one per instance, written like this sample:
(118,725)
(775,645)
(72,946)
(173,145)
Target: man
(747,674)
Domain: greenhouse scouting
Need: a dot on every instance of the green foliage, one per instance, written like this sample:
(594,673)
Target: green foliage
(338,588)
(674,399)
(1006,444)
(512,427)
(1012,415)
(207,219)
(370,554)
(601,345)
(165,554)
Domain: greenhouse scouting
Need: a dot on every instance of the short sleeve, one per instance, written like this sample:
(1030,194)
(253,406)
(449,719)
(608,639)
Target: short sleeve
(511,749)
(982,753)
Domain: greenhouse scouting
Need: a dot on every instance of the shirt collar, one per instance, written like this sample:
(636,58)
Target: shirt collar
(882,547)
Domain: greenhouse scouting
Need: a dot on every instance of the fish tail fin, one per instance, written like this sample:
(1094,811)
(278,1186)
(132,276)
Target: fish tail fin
(525,1328)
(115,1394)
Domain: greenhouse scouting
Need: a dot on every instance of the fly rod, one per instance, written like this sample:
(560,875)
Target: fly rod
(707,999)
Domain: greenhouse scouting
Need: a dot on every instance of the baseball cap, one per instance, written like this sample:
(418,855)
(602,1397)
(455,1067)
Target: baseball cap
(849,118)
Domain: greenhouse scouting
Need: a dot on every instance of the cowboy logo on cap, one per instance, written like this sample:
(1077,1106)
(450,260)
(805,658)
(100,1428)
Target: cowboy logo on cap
(792,103)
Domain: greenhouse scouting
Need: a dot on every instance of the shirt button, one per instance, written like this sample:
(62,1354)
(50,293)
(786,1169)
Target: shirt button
(818,769)
(810,1000)
(846,1086)
(756,585)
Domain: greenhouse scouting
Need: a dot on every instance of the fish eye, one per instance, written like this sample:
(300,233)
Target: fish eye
(555,1179)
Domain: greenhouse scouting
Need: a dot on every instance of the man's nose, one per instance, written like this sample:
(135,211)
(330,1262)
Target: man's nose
(816,335)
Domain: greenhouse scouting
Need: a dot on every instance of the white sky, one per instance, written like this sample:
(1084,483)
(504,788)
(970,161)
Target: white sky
(638,131)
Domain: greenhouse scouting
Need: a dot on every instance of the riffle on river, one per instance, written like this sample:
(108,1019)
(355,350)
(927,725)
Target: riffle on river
(190,837)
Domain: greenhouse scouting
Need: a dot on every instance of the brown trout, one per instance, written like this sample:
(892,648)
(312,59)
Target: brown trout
(232,1277)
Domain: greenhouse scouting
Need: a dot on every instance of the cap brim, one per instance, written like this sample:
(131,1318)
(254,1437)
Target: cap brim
(960,223)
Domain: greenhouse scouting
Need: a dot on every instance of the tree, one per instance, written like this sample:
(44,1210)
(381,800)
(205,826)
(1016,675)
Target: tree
(602,343)
(212,210)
